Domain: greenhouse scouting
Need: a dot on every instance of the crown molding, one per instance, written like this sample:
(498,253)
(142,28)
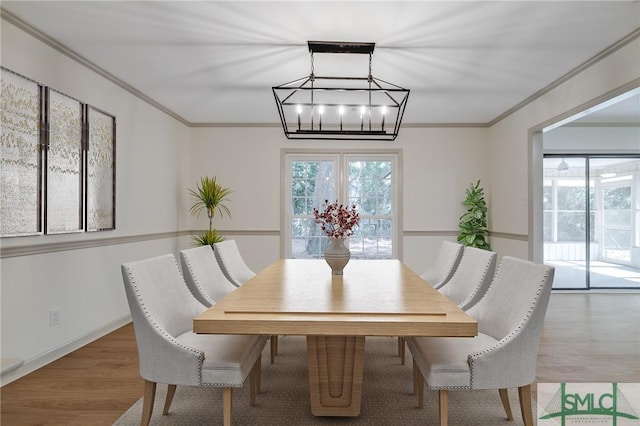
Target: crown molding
(262,125)
(61,48)
(29,29)
(556,120)
(577,70)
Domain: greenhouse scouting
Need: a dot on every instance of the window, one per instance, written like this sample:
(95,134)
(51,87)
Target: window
(57,161)
(365,180)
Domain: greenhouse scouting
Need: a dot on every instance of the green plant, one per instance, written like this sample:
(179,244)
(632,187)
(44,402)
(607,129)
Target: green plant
(207,238)
(211,198)
(473,222)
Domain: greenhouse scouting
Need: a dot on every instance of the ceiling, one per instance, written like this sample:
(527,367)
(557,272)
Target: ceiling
(214,62)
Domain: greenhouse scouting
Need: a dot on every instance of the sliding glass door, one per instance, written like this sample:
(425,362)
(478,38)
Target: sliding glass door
(565,220)
(592,220)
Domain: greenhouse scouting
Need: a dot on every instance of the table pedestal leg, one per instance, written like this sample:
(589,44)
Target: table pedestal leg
(336,364)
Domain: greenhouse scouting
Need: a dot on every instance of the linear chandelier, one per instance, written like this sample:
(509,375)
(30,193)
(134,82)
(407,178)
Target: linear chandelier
(340,108)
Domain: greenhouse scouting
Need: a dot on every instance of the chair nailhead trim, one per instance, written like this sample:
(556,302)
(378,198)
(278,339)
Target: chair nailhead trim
(475,290)
(227,269)
(515,332)
(197,282)
(162,330)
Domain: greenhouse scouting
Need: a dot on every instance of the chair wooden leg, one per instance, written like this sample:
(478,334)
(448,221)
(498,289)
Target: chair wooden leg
(147,402)
(418,385)
(171,391)
(524,393)
(504,397)
(255,380)
(401,349)
(414,370)
(252,389)
(258,368)
(443,400)
(227,396)
(273,346)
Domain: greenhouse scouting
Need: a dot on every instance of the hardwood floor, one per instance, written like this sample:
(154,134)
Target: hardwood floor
(91,386)
(586,338)
(590,338)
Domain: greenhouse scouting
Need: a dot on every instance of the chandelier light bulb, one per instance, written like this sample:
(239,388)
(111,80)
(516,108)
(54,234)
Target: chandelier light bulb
(340,98)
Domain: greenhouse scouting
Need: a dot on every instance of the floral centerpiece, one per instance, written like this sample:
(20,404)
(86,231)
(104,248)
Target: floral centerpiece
(336,220)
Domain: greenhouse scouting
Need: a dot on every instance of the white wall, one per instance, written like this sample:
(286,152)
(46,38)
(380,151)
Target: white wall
(509,164)
(86,284)
(438,166)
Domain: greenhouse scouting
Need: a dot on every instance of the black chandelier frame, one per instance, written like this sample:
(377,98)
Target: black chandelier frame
(358,108)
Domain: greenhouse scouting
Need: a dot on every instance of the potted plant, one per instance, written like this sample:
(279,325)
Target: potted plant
(473,222)
(211,197)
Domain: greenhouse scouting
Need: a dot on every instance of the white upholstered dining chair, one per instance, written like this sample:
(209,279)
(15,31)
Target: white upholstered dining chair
(237,271)
(445,265)
(503,354)
(162,309)
(438,274)
(206,279)
(471,277)
(204,276)
(232,263)
(467,282)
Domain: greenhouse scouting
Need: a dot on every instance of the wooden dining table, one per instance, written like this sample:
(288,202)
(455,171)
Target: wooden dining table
(336,313)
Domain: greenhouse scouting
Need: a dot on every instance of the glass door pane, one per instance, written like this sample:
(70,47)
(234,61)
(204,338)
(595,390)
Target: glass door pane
(566,225)
(615,261)
(371,189)
(312,181)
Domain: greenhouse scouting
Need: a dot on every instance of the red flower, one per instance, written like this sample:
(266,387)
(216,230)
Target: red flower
(337,221)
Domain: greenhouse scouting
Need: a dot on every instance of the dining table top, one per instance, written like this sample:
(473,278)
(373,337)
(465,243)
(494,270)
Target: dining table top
(302,297)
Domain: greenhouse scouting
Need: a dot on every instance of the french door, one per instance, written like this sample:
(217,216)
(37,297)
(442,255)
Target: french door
(366,180)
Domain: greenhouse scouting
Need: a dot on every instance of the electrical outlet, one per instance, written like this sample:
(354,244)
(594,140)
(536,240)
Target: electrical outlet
(55,317)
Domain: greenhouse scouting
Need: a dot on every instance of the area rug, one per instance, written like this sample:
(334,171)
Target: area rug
(386,397)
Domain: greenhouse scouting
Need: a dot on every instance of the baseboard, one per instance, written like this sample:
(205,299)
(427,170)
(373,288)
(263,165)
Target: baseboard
(7,365)
(39,361)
